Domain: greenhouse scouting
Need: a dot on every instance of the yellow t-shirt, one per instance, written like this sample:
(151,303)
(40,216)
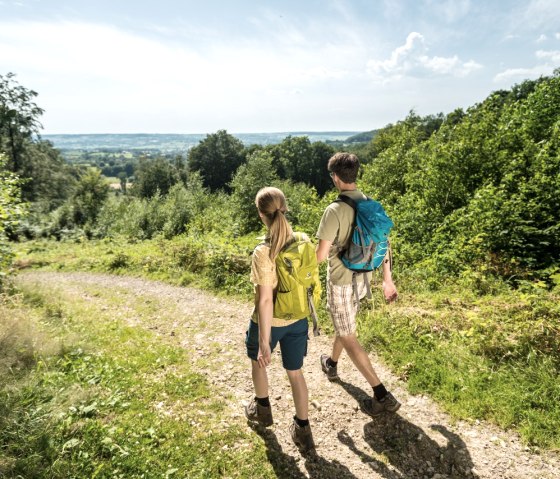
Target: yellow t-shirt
(263,273)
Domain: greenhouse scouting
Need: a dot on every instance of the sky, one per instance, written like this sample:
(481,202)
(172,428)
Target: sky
(182,66)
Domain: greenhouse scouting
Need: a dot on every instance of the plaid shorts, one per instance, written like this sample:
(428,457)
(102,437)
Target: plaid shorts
(342,306)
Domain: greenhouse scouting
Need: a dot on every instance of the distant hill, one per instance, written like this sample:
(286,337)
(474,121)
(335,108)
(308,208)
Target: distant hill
(169,143)
(364,137)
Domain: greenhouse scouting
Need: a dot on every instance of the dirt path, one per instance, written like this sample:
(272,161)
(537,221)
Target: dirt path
(420,441)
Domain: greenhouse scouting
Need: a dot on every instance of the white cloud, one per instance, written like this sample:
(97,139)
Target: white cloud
(86,69)
(513,74)
(412,59)
(103,53)
(557,36)
(552,56)
(551,60)
(542,38)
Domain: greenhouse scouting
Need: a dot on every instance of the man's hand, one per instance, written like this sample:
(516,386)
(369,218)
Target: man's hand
(263,356)
(390,291)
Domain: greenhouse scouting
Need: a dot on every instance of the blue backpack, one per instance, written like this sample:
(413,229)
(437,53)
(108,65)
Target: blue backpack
(369,241)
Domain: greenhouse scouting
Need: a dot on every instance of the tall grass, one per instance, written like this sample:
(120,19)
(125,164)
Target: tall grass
(494,357)
(108,401)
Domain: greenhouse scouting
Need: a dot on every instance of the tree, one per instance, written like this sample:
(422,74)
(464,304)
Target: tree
(217,158)
(299,160)
(294,157)
(152,176)
(46,177)
(91,192)
(257,173)
(49,180)
(321,180)
(122,180)
(19,119)
(11,210)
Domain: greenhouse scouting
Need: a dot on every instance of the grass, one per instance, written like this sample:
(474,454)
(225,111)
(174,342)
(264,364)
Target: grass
(85,395)
(492,356)
(183,260)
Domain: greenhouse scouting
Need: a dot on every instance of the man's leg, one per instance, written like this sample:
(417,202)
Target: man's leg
(358,356)
(337,349)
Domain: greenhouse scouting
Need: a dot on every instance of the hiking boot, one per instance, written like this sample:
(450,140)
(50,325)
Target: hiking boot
(374,408)
(302,437)
(330,371)
(254,412)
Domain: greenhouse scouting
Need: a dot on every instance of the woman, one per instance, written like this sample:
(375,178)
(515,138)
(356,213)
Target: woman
(265,332)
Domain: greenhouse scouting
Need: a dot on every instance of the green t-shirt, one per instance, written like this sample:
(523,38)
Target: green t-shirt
(336,226)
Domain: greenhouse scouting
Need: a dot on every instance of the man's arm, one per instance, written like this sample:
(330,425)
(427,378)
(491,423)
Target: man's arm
(322,250)
(389,288)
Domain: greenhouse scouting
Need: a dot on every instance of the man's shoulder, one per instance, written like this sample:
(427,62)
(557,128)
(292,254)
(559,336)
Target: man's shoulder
(354,195)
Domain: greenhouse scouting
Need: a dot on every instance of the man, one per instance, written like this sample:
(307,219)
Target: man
(334,234)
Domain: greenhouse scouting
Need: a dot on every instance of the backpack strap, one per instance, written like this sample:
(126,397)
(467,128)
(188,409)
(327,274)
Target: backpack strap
(346,199)
(313,312)
(294,237)
(355,287)
(350,202)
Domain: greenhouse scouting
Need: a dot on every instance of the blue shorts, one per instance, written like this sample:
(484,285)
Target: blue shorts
(292,338)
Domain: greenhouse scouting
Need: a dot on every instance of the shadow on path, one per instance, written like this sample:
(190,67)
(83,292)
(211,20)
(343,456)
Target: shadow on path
(285,466)
(403,450)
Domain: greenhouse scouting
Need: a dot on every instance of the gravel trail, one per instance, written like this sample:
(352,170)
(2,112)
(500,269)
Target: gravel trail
(420,441)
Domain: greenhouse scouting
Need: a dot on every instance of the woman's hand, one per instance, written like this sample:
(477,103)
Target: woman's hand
(263,356)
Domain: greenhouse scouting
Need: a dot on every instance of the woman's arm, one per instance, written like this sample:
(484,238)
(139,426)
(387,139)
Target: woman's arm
(265,308)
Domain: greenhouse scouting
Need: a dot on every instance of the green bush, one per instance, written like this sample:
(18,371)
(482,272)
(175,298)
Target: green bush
(481,192)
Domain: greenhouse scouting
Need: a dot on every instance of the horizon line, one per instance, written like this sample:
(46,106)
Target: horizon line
(206,133)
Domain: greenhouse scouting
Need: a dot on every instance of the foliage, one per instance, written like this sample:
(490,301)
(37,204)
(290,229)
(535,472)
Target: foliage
(12,211)
(305,208)
(216,158)
(257,173)
(19,119)
(481,357)
(479,191)
(90,194)
(74,405)
(47,179)
(364,137)
(144,218)
(153,176)
(300,161)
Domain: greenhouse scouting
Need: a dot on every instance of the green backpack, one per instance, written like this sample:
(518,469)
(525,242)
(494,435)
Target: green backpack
(298,281)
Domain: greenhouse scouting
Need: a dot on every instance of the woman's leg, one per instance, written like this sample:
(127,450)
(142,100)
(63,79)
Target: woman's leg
(299,393)
(260,379)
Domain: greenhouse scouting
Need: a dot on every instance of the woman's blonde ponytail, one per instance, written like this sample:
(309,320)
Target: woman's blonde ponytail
(271,203)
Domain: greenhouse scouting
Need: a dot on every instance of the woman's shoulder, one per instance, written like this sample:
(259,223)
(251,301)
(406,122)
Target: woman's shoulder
(300,235)
(261,251)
